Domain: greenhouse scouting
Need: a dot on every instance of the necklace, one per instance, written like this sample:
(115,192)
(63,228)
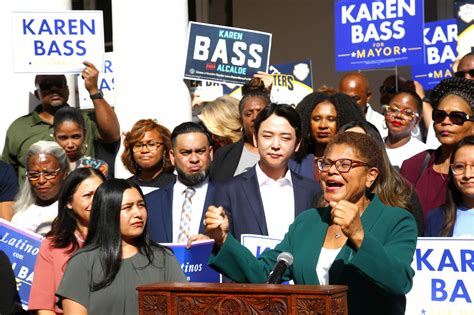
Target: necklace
(337,235)
(79,238)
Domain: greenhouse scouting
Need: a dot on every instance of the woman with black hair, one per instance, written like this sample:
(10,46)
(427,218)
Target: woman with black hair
(456,216)
(67,235)
(118,256)
(453,101)
(322,115)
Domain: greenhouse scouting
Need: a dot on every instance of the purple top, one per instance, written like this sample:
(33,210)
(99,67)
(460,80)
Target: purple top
(431,185)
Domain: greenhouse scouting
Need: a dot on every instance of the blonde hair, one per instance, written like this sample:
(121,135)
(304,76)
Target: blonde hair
(222,118)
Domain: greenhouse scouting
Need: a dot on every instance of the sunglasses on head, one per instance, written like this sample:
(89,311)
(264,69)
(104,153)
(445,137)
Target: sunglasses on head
(457,118)
(49,84)
(462,74)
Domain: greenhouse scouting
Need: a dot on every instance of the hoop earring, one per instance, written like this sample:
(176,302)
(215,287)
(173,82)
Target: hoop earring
(84,149)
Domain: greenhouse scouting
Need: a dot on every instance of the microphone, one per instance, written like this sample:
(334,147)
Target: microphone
(284,260)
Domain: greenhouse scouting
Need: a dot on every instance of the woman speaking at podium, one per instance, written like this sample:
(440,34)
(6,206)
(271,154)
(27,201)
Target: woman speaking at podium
(356,240)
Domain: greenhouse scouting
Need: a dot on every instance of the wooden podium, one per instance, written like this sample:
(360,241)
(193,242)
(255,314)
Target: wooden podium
(234,298)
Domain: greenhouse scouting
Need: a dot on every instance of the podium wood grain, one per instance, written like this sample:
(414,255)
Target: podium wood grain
(235,298)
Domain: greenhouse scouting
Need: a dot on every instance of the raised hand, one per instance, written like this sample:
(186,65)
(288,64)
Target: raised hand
(217,224)
(347,215)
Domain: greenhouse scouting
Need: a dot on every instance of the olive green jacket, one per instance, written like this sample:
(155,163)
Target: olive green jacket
(378,274)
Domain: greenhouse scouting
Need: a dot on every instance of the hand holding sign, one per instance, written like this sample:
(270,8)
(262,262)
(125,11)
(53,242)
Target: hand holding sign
(90,74)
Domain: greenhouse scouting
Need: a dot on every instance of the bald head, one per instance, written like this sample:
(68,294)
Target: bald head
(466,65)
(356,86)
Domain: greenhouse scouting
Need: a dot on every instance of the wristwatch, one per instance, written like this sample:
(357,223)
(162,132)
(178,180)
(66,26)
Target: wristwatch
(98,95)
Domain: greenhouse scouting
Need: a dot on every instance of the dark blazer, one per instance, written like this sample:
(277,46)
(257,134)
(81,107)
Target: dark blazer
(160,216)
(240,197)
(225,161)
(378,274)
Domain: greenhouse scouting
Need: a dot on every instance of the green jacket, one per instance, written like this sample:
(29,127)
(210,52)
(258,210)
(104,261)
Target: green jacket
(378,274)
(29,129)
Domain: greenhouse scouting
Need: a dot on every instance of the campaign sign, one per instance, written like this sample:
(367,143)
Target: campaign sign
(21,247)
(105,82)
(292,81)
(378,33)
(257,244)
(465,19)
(441,39)
(444,277)
(57,42)
(193,261)
(225,54)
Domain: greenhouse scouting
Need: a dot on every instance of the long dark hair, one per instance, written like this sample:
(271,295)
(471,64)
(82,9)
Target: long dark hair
(346,109)
(104,230)
(453,195)
(63,227)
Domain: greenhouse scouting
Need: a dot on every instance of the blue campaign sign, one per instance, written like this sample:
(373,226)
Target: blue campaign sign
(441,39)
(193,261)
(225,54)
(21,248)
(378,34)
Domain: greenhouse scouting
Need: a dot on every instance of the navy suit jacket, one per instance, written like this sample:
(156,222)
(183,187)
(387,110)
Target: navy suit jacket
(160,212)
(241,199)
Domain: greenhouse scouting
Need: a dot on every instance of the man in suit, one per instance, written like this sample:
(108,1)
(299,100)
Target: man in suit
(176,211)
(268,197)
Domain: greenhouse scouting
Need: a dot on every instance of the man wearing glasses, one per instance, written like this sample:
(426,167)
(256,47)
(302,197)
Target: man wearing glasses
(52,91)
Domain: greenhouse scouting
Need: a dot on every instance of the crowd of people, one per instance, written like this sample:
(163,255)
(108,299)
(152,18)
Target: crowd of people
(347,189)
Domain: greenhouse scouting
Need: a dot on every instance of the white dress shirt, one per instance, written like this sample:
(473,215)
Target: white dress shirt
(197,201)
(278,202)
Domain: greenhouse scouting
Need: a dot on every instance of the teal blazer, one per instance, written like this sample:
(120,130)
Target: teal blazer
(378,274)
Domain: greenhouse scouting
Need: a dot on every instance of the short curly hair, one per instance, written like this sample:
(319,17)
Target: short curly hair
(461,87)
(136,134)
(346,109)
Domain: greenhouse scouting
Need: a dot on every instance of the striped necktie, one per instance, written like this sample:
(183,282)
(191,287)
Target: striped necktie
(186,215)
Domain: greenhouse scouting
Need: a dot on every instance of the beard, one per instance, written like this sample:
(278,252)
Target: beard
(192,179)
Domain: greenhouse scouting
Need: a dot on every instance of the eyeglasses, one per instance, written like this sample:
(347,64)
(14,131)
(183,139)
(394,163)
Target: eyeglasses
(151,146)
(456,117)
(47,85)
(406,113)
(49,175)
(342,165)
(459,168)
(462,74)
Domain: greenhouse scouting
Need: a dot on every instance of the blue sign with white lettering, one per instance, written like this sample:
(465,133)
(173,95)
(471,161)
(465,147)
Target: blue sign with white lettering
(378,33)
(441,39)
(193,261)
(21,248)
(225,54)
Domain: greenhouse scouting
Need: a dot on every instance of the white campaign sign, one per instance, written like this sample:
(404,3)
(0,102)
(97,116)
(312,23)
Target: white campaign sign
(57,42)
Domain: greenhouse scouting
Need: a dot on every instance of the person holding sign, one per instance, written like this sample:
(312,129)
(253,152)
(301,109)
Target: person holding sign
(456,216)
(402,115)
(53,93)
(118,256)
(453,101)
(67,235)
(356,241)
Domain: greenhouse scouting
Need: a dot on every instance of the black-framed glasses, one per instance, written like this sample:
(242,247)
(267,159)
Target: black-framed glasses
(47,85)
(33,176)
(462,74)
(456,117)
(151,146)
(406,113)
(342,165)
(459,168)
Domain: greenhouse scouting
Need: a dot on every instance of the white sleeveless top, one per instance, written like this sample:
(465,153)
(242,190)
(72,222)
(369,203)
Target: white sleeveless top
(326,258)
